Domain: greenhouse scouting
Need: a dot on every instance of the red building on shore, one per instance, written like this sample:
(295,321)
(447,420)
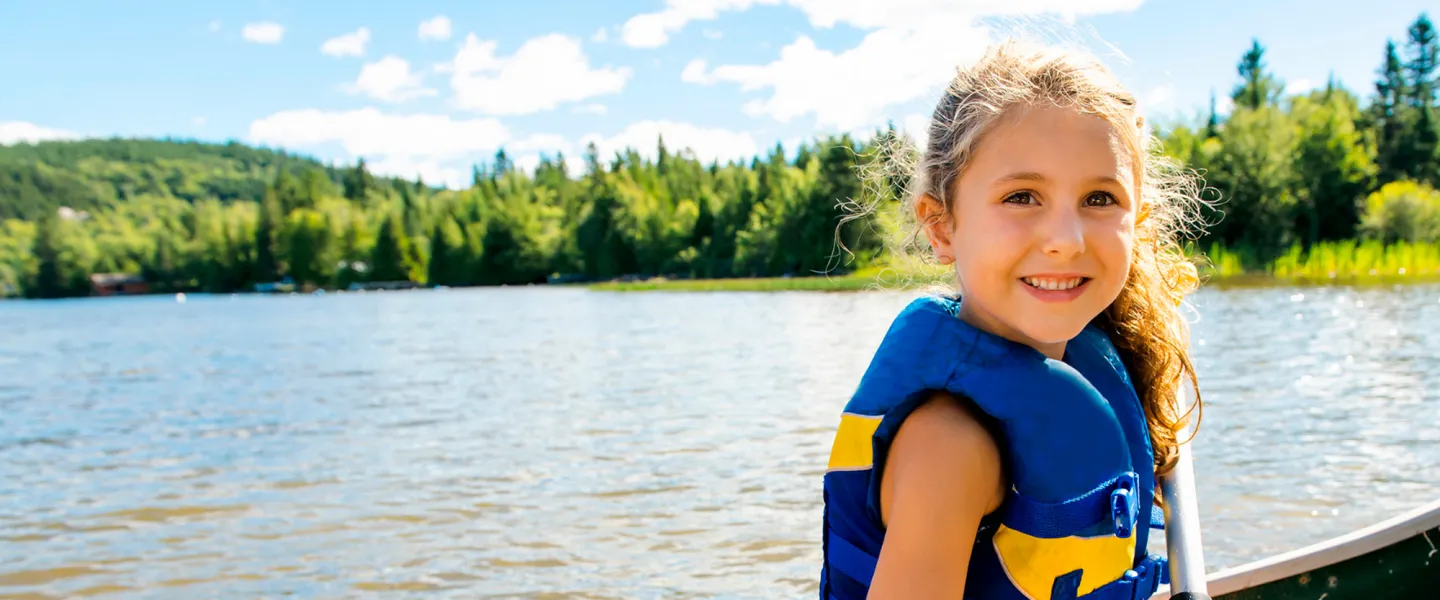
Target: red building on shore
(116,284)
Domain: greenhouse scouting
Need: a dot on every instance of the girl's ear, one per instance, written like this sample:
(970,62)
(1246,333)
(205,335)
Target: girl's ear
(931,214)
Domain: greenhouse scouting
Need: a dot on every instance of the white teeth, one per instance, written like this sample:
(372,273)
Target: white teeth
(1046,283)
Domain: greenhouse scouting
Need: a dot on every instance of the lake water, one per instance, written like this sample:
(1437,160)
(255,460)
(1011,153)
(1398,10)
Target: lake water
(561,443)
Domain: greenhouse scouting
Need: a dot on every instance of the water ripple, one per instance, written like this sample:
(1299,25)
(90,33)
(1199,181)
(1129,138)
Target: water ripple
(558,443)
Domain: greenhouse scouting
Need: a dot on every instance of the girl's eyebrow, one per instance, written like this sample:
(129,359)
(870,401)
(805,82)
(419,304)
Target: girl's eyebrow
(1104,179)
(1033,176)
(1021,176)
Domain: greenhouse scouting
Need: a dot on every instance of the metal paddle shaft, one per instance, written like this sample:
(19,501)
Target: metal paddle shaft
(1182,523)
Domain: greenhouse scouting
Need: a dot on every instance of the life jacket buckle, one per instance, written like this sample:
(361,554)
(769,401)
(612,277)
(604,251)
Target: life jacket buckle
(1122,506)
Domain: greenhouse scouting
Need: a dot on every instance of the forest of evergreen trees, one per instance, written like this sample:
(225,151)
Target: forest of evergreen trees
(1290,171)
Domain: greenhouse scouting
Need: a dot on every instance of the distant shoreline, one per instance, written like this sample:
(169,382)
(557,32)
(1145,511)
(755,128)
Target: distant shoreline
(861,281)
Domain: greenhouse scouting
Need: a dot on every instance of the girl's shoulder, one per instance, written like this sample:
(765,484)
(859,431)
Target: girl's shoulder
(945,451)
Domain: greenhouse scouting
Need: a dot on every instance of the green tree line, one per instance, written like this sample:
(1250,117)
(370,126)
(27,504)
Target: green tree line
(1289,172)
(319,227)
(1324,165)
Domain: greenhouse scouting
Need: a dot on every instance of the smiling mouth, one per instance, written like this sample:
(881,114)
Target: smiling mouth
(1055,284)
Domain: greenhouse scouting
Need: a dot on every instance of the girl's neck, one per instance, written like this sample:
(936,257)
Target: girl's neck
(982,320)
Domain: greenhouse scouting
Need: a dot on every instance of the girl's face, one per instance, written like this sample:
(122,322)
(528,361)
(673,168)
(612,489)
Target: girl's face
(1042,226)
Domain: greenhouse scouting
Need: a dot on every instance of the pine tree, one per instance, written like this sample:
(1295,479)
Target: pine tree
(803,155)
(502,165)
(1422,51)
(1212,124)
(438,271)
(388,261)
(289,191)
(308,248)
(358,182)
(354,247)
(410,212)
(315,185)
(1257,87)
(1418,154)
(46,249)
(1388,112)
(267,229)
(163,268)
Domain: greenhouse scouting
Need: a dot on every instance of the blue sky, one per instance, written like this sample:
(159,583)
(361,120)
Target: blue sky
(428,87)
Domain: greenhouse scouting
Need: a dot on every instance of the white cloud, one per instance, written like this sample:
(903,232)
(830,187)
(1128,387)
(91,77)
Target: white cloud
(694,72)
(263,33)
(712,34)
(917,126)
(652,30)
(909,53)
(391,80)
(442,149)
(451,174)
(439,148)
(541,142)
(898,65)
(350,44)
(367,131)
(574,162)
(198,121)
(527,162)
(437,28)
(542,74)
(590,109)
(1299,86)
(14,132)
(527,152)
(920,13)
(1224,104)
(707,143)
(214,26)
(601,36)
(574,165)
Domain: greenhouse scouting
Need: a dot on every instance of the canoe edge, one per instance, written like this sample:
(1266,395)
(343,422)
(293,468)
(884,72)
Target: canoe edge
(1335,550)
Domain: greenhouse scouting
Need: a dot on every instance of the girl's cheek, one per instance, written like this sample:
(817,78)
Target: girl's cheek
(1113,231)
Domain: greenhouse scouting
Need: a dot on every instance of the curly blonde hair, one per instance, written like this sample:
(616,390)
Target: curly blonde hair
(1145,321)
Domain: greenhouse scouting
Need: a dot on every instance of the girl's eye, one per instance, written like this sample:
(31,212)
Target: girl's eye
(1020,198)
(1100,199)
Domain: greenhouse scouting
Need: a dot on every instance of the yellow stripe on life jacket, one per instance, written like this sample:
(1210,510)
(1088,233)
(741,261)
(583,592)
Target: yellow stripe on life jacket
(853,450)
(1033,563)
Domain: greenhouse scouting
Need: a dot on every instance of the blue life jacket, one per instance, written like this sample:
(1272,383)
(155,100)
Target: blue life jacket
(1073,438)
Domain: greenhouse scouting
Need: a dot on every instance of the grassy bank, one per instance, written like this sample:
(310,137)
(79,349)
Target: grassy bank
(1344,262)
(757,284)
(865,279)
(1347,262)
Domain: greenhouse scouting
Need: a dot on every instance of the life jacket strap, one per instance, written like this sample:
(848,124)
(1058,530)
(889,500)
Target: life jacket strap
(1112,501)
(849,559)
(1138,583)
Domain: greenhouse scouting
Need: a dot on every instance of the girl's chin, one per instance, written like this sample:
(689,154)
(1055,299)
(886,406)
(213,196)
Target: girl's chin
(1046,334)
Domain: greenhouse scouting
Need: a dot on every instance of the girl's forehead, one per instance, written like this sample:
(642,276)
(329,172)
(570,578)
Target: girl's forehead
(1057,141)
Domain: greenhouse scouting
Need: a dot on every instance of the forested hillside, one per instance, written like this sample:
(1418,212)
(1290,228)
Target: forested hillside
(1297,176)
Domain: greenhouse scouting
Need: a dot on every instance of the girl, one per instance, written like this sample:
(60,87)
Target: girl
(1005,441)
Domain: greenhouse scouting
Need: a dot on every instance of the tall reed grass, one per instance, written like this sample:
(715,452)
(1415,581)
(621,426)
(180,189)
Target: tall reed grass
(1342,261)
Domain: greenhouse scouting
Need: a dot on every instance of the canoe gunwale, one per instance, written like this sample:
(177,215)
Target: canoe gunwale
(1335,550)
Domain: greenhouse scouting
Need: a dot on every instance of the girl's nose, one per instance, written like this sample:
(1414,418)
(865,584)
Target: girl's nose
(1063,234)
